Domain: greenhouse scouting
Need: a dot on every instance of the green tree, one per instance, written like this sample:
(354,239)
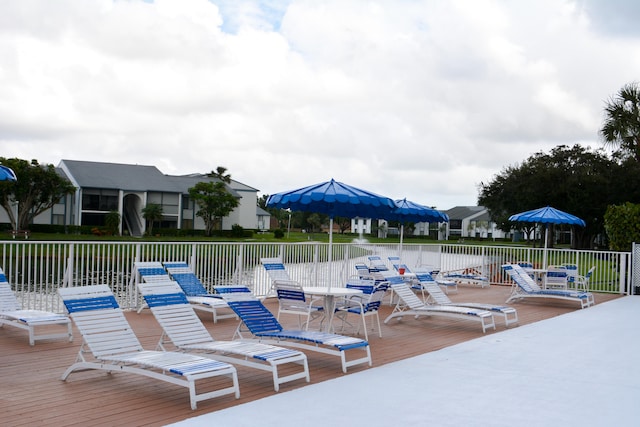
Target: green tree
(221,174)
(574,179)
(38,188)
(112,222)
(622,223)
(214,202)
(621,128)
(152,213)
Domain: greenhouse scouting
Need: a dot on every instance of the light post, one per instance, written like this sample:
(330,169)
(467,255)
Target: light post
(289,224)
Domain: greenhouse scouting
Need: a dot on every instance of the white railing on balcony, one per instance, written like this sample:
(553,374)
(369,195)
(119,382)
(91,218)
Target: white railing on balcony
(37,269)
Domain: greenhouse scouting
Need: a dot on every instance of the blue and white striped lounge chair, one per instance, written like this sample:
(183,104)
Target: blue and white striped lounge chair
(196,292)
(526,287)
(376,263)
(436,296)
(410,305)
(466,276)
(12,314)
(264,327)
(275,269)
(109,344)
(184,330)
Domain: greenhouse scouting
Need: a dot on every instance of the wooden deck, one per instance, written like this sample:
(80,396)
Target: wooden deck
(32,393)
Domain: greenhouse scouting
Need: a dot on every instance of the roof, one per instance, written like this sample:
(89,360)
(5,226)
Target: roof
(463,212)
(118,176)
(261,212)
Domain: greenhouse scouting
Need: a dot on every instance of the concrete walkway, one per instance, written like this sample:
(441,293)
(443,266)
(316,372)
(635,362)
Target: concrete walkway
(578,369)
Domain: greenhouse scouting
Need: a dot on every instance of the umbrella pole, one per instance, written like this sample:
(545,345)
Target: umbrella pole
(546,238)
(330,250)
(400,246)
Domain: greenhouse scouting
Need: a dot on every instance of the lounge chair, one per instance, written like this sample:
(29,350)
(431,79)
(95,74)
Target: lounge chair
(436,296)
(376,263)
(292,300)
(275,269)
(526,287)
(12,314)
(197,294)
(264,327)
(410,305)
(466,276)
(109,339)
(185,331)
(149,272)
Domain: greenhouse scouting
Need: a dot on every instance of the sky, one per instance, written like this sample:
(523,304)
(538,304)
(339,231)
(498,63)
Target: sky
(416,99)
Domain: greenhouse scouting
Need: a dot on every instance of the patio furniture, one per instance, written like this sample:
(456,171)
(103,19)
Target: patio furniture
(197,294)
(257,320)
(12,314)
(376,263)
(556,278)
(275,269)
(436,296)
(292,300)
(182,328)
(410,305)
(109,344)
(366,304)
(466,276)
(582,282)
(526,287)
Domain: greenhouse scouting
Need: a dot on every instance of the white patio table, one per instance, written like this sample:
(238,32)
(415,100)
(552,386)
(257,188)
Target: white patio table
(329,295)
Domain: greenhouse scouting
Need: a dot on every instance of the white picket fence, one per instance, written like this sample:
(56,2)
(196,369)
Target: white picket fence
(37,269)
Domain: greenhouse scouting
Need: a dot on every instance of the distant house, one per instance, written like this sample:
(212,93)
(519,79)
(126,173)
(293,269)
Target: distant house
(473,222)
(105,187)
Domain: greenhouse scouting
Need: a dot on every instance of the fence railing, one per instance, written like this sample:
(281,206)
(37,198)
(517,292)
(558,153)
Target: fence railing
(37,269)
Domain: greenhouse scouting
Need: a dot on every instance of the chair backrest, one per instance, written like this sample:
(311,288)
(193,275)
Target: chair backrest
(556,275)
(521,278)
(363,270)
(190,284)
(8,300)
(525,264)
(435,293)
(572,272)
(590,273)
(255,316)
(175,264)
(100,320)
(407,296)
(290,294)
(150,271)
(275,269)
(173,312)
(377,263)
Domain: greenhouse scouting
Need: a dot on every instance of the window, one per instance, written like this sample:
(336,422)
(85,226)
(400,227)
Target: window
(100,200)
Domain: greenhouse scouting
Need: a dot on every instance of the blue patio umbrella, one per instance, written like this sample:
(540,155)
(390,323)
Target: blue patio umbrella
(333,198)
(547,215)
(408,211)
(7,174)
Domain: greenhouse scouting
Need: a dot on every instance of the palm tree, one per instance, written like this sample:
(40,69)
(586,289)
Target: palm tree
(152,213)
(221,174)
(621,128)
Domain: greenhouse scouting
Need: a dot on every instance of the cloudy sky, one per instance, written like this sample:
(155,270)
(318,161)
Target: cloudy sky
(406,98)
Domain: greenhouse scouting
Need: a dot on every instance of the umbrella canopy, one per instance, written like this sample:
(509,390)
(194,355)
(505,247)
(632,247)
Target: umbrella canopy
(333,198)
(408,211)
(7,174)
(547,215)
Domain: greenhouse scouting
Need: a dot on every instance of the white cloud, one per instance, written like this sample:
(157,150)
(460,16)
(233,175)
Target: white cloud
(407,98)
